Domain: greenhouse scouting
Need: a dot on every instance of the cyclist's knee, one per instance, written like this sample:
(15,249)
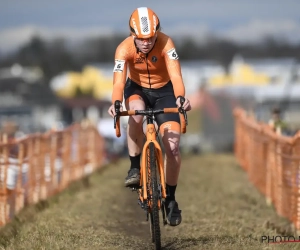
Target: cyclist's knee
(170,132)
(172,147)
(135,102)
(135,121)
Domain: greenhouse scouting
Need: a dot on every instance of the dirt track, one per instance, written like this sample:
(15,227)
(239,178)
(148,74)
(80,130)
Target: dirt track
(220,208)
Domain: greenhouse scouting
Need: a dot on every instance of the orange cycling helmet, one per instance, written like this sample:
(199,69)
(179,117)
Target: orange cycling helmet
(143,23)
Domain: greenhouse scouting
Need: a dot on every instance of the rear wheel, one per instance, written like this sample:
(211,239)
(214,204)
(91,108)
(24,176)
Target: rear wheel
(154,216)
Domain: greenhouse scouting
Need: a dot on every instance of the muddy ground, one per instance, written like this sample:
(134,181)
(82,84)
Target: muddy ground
(220,208)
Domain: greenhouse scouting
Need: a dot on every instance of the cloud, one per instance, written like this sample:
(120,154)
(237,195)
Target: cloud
(256,30)
(196,31)
(15,37)
(12,38)
(250,32)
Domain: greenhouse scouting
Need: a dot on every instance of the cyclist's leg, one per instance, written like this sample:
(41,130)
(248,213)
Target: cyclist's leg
(169,125)
(134,99)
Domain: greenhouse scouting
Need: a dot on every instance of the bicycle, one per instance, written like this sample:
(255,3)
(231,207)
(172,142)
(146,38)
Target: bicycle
(152,188)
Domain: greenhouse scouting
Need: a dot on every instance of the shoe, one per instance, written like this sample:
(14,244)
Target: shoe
(173,213)
(133,177)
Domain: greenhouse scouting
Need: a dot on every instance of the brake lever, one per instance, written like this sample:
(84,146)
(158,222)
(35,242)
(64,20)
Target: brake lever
(181,110)
(115,121)
(117,109)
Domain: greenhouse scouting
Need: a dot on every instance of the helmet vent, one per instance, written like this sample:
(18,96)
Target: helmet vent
(145,24)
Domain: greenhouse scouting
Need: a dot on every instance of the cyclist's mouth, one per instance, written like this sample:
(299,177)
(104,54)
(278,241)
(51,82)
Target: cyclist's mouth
(146,48)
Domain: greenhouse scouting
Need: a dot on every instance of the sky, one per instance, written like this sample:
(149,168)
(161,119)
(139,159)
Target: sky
(238,20)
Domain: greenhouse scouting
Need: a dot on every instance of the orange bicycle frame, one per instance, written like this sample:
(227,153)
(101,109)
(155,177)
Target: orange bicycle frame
(151,137)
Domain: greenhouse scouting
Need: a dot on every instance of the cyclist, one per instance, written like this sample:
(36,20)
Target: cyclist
(154,80)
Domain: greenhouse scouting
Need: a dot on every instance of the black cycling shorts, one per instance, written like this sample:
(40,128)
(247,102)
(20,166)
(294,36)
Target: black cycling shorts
(155,98)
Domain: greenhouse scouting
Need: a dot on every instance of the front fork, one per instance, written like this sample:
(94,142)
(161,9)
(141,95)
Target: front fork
(162,205)
(144,204)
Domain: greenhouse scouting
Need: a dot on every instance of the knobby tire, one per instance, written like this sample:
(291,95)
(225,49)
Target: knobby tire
(154,216)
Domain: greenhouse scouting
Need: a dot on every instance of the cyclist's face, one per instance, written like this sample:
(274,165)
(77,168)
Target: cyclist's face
(145,45)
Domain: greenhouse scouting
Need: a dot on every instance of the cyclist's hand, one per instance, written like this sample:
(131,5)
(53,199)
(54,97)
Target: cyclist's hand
(112,112)
(186,105)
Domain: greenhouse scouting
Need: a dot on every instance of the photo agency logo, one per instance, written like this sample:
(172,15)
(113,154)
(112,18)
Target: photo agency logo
(279,239)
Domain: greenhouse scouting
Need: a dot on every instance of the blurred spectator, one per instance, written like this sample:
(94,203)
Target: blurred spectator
(10,129)
(277,123)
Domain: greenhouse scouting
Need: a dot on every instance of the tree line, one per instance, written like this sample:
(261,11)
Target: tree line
(57,56)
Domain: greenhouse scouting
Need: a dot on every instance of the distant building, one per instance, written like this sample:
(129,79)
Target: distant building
(27,100)
(90,81)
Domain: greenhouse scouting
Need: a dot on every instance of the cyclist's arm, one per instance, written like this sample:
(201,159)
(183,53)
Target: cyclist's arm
(120,73)
(174,68)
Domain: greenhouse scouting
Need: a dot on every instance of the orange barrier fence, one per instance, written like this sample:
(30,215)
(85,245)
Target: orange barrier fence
(272,162)
(40,165)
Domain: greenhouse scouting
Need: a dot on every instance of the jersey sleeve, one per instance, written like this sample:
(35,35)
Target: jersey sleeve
(174,68)
(119,73)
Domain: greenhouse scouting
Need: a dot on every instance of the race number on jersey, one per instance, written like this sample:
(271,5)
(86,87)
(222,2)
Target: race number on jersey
(172,54)
(119,65)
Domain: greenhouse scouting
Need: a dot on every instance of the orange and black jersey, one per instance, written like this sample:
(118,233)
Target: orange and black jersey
(152,70)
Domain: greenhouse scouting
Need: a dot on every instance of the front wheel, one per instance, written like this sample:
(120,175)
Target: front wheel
(151,228)
(153,186)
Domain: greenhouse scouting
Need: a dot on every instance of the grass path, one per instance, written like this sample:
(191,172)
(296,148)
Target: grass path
(220,209)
